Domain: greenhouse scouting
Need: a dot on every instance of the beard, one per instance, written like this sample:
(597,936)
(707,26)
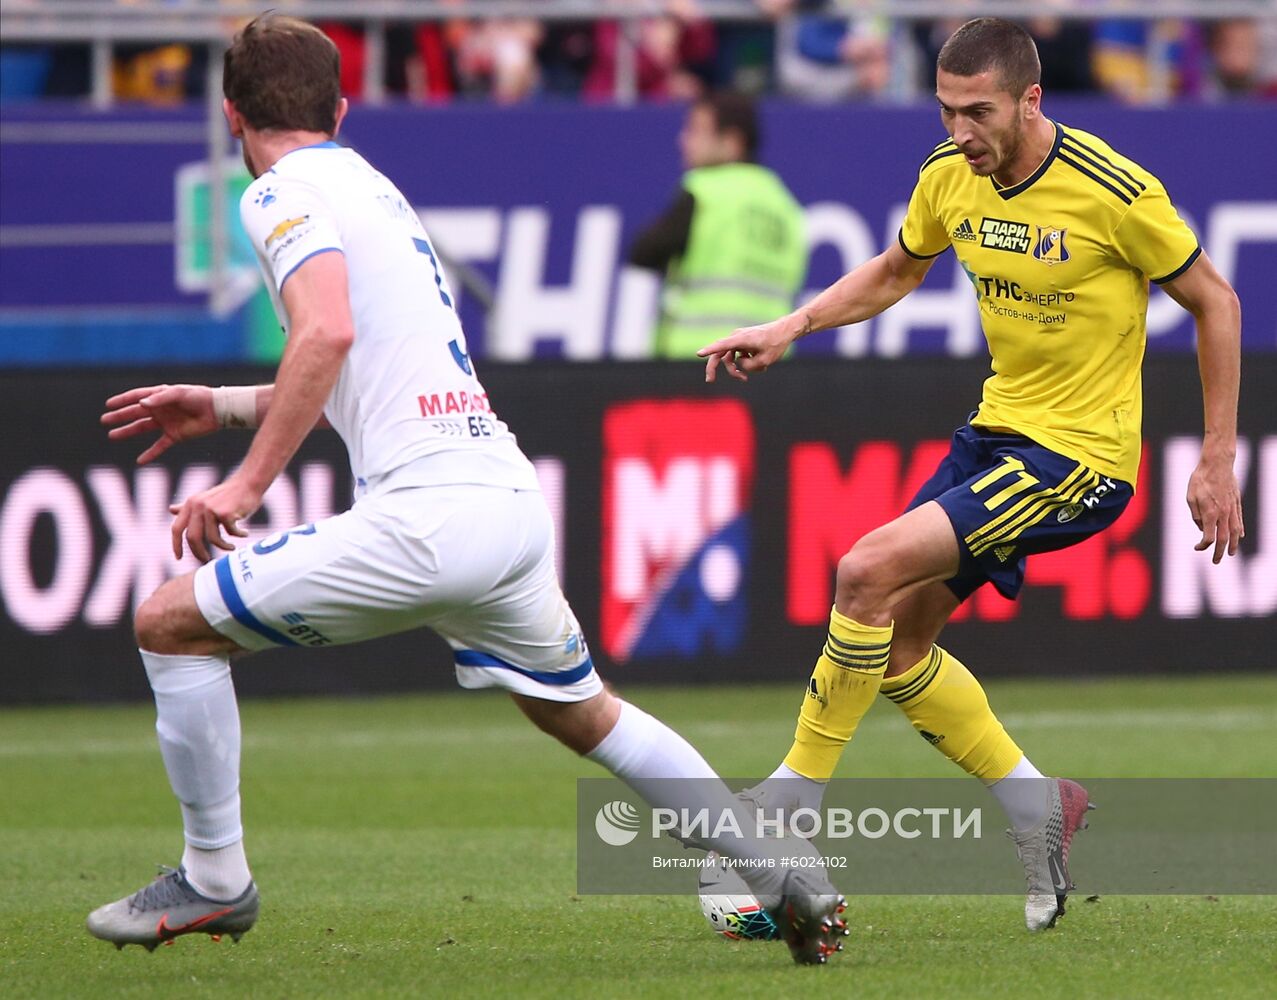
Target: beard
(1011,144)
(1001,152)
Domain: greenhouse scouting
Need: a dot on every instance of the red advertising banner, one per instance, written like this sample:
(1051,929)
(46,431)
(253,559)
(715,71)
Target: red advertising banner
(699,527)
(675,555)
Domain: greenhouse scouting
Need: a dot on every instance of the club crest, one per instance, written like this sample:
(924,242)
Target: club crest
(1050,248)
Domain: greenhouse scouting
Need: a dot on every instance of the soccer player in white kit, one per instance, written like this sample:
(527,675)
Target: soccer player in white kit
(449,529)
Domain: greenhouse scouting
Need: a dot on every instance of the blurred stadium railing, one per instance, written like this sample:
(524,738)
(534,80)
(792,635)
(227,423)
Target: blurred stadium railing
(104,23)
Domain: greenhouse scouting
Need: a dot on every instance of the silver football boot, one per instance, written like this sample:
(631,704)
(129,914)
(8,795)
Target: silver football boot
(809,917)
(1044,852)
(169,907)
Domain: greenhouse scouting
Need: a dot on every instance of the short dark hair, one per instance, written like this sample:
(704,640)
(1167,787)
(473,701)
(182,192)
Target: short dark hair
(733,110)
(282,73)
(992,43)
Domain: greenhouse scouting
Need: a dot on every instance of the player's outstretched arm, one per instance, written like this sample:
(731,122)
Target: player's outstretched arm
(182,412)
(863,292)
(176,412)
(317,301)
(1214,498)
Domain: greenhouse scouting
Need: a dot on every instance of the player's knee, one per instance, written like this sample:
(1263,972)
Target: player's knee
(863,576)
(153,625)
(170,622)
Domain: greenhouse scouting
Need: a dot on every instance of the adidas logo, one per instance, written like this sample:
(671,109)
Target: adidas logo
(931,738)
(1004,552)
(964,233)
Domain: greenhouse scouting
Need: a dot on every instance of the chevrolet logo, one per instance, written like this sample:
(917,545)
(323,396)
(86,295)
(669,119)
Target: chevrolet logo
(284,227)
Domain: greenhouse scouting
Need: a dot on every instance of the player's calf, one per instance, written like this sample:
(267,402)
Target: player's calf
(580,725)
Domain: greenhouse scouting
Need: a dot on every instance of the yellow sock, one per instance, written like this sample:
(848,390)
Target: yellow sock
(948,707)
(841,689)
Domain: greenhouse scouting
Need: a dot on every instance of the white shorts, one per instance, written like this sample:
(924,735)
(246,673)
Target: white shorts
(473,563)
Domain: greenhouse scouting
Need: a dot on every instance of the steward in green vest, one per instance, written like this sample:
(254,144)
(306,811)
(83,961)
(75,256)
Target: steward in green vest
(731,246)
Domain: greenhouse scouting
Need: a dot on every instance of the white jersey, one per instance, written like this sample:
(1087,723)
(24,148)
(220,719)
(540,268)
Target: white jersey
(407,399)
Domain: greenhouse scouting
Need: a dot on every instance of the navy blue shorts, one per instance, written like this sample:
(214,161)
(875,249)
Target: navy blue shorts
(1008,497)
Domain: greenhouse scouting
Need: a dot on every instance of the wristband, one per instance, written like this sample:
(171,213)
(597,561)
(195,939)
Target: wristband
(235,405)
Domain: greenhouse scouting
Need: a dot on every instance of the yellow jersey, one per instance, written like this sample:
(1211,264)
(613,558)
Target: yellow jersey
(1060,264)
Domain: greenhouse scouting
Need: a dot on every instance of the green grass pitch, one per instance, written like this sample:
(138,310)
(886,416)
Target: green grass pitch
(424,846)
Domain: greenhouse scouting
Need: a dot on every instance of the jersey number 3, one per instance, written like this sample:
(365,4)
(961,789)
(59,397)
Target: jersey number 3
(423,246)
(459,354)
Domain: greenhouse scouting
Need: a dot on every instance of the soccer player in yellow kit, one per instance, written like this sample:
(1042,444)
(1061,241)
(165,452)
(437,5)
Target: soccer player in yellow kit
(1060,235)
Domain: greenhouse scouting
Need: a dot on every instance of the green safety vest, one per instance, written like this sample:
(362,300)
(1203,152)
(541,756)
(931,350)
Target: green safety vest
(746,257)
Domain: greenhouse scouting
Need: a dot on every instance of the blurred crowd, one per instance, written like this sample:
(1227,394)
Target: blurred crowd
(817,50)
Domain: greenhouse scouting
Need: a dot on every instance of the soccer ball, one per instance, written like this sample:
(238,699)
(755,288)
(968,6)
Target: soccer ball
(731,909)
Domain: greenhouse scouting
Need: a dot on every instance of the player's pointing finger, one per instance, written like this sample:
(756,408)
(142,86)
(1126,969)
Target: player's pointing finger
(133,395)
(720,346)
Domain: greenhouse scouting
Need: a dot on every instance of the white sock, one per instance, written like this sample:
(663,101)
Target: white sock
(641,746)
(1023,795)
(221,874)
(809,792)
(198,725)
(645,753)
